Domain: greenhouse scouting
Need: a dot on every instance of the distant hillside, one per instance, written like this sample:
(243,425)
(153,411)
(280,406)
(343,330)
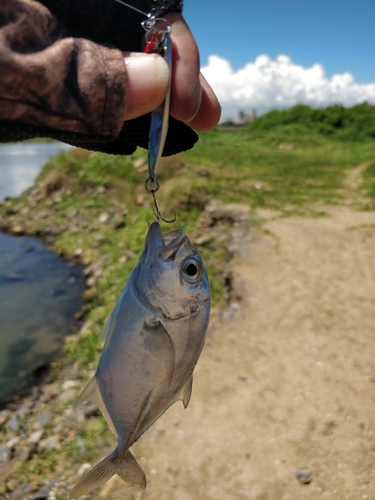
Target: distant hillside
(355,124)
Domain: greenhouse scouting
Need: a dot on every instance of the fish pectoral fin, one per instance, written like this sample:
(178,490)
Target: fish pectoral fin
(92,393)
(131,472)
(96,476)
(186,391)
(160,344)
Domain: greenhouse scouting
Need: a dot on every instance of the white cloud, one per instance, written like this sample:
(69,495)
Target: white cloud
(279,83)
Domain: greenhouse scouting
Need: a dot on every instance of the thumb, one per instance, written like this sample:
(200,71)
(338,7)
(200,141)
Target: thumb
(148,77)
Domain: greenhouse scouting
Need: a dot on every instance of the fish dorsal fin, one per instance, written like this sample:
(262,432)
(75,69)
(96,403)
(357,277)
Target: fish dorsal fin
(92,393)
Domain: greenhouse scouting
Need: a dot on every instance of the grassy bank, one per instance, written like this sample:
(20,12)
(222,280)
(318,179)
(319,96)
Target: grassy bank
(94,208)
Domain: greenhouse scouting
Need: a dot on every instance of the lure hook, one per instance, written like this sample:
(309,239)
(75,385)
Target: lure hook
(156,207)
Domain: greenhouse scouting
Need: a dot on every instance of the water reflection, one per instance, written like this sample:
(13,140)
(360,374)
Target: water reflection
(21,163)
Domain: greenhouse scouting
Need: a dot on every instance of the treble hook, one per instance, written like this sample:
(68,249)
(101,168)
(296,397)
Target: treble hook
(156,207)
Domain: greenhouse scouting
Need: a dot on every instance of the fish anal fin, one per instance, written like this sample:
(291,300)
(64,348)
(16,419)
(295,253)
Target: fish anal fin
(96,476)
(131,472)
(92,393)
(183,394)
(186,391)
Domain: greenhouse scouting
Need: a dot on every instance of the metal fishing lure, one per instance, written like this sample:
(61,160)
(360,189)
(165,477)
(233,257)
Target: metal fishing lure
(157,41)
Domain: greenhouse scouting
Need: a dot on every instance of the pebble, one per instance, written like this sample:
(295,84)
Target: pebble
(13,423)
(103,218)
(45,417)
(21,492)
(48,443)
(304,475)
(12,442)
(85,467)
(43,492)
(35,436)
(4,416)
(49,391)
(24,452)
(68,394)
(69,384)
(230,311)
(5,454)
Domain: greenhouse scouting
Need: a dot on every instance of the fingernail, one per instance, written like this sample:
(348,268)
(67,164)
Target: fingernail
(148,77)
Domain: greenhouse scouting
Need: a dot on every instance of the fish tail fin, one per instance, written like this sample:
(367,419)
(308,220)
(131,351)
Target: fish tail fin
(129,470)
(96,476)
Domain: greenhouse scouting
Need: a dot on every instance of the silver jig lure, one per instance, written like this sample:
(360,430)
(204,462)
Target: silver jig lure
(157,41)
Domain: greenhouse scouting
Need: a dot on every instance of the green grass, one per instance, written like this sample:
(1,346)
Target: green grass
(272,171)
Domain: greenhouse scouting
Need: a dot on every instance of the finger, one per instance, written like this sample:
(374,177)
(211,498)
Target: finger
(147,85)
(209,111)
(186,92)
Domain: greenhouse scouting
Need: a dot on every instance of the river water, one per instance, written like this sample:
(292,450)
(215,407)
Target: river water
(39,292)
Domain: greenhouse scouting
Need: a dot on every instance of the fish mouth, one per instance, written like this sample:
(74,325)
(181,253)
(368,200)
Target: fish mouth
(167,245)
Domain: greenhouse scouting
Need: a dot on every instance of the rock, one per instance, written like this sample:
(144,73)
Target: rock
(85,467)
(13,442)
(69,384)
(5,416)
(35,436)
(45,417)
(67,395)
(231,213)
(49,443)
(139,163)
(13,423)
(44,491)
(304,475)
(17,229)
(23,411)
(5,454)
(49,391)
(21,492)
(103,218)
(23,453)
(118,221)
(230,311)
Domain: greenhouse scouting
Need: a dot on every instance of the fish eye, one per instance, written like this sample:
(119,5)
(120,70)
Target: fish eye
(191,271)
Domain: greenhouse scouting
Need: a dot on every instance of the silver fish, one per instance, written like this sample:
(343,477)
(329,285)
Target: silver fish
(153,339)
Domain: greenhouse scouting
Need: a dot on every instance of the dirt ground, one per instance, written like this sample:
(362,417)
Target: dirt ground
(286,379)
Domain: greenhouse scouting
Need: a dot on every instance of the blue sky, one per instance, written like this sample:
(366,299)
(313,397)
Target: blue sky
(338,34)
(321,39)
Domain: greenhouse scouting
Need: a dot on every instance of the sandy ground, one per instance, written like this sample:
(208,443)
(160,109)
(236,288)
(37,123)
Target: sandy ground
(287,381)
